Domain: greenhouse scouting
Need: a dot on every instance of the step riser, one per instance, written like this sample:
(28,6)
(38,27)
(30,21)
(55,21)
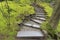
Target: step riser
(31,26)
(40,14)
(39,19)
(30,38)
(35,22)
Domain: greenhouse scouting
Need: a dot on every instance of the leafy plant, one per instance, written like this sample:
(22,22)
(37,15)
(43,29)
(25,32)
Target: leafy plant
(46,26)
(9,19)
(46,7)
(58,28)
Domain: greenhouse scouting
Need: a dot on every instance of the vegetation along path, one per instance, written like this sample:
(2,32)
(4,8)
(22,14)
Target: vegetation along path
(30,29)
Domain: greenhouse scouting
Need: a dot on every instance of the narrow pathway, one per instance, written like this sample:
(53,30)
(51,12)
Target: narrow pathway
(31,28)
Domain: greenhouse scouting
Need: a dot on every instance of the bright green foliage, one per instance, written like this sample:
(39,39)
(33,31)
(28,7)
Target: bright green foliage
(9,21)
(47,8)
(58,28)
(48,1)
(23,2)
(47,27)
(49,11)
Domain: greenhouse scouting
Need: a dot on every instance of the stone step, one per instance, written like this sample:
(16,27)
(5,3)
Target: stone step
(28,34)
(39,18)
(27,28)
(32,38)
(40,10)
(31,24)
(36,21)
(40,14)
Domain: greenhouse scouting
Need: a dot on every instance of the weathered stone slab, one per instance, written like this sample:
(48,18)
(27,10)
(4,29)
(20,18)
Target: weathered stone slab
(40,18)
(37,21)
(40,15)
(33,24)
(30,34)
(27,28)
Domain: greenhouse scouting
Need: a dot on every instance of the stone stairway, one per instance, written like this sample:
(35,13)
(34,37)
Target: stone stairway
(30,29)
